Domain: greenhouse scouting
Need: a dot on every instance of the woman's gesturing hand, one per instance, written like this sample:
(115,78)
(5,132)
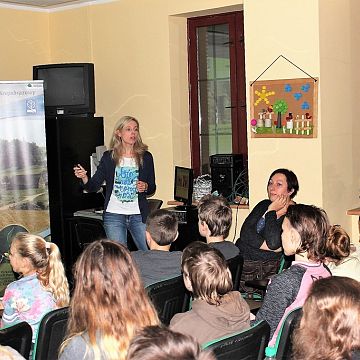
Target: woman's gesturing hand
(81,173)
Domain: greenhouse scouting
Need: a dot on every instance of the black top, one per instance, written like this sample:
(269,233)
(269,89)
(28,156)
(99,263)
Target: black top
(227,248)
(250,241)
(157,265)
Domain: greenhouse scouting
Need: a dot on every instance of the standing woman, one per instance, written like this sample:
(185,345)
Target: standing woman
(128,169)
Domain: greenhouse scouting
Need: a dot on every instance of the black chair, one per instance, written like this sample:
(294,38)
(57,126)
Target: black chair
(235,265)
(87,230)
(283,346)
(51,334)
(18,337)
(247,345)
(154,204)
(169,298)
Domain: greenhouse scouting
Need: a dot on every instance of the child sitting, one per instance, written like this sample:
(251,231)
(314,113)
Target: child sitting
(109,304)
(215,217)
(330,325)
(42,286)
(216,310)
(160,343)
(305,230)
(159,263)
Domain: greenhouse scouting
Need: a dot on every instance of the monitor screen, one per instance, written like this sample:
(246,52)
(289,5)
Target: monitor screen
(183,185)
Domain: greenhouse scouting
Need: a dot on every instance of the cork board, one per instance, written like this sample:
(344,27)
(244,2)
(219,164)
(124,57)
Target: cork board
(284,108)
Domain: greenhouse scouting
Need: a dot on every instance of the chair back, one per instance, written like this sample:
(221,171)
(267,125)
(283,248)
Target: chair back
(235,265)
(51,334)
(88,230)
(19,337)
(154,204)
(247,345)
(284,340)
(169,298)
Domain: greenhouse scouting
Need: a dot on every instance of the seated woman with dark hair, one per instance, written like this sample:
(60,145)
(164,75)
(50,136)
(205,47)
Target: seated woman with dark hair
(330,326)
(341,259)
(260,236)
(160,343)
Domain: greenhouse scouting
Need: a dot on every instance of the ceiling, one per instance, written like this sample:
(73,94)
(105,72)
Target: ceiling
(44,4)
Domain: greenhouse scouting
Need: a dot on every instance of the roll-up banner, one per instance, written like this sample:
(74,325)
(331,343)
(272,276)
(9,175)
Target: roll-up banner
(24,199)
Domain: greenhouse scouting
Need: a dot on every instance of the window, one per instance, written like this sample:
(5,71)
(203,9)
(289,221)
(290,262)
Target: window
(217,87)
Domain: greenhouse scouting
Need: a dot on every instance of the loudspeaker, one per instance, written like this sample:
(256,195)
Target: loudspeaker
(225,170)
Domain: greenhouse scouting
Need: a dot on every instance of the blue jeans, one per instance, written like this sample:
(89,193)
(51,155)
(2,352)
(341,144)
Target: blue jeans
(116,226)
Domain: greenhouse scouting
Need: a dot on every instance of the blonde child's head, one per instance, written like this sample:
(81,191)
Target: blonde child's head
(206,273)
(32,254)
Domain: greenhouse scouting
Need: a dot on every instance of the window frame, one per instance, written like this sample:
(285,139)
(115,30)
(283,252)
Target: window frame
(235,20)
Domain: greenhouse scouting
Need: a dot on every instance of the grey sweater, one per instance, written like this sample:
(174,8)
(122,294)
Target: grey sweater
(79,349)
(157,265)
(287,291)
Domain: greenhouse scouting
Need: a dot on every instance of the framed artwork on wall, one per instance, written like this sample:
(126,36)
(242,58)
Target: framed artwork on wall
(284,108)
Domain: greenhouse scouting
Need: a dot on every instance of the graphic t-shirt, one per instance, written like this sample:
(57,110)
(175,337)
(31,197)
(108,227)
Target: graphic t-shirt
(124,198)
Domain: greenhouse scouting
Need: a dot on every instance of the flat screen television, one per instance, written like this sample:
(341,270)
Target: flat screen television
(69,88)
(183,185)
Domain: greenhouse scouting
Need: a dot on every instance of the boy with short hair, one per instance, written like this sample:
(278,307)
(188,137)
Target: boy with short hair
(159,263)
(216,310)
(215,218)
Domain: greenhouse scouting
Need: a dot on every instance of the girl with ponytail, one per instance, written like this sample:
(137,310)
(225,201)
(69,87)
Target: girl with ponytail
(42,285)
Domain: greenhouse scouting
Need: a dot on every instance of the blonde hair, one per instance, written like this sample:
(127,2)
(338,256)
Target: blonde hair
(116,142)
(109,300)
(8,353)
(45,258)
(208,272)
